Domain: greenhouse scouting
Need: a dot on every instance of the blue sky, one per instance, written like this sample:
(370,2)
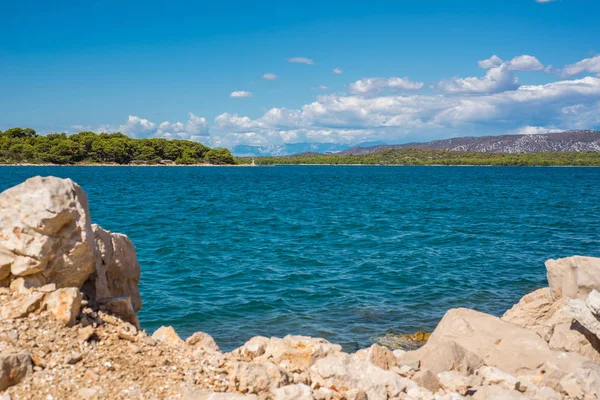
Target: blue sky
(411,70)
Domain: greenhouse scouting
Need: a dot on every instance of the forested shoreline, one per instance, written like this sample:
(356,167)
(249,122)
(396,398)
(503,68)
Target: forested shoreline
(24,145)
(435,157)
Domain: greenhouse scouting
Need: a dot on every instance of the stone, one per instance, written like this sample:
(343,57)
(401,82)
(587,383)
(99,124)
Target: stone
(253,348)
(6,259)
(64,304)
(532,312)
(354,394)
(453,381)
(21,306)
(121,307)
(299,352)
(574,337)
(497,393)
(419,393)
(256,378)
(167,335)
(202,341)
(293,392)
(45,226)
(496,377)
(545,393)
(88,394)
(443,355)
(427,379)
(191,394)
(580,311)
(381,357)
(117,271)
(573,277)
(509,347)
(593,302)
(345,371)
(570,373)
(13,368)
(85,334)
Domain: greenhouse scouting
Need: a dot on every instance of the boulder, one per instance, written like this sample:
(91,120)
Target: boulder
(345,371)
(593,302)
(296,353)
(509,347)
(427,379)
(378,355)
(570,373)
(533,311)
(253,348)
(45,231)
(452,381)
(64,304)
(497,393)
(293,392)
(256,378)
(202,341)
(21,305)
(580,311)
(117,272)
(13,368)
(167,335)
(573,277)
(495,377)
(443,355)
(120,306)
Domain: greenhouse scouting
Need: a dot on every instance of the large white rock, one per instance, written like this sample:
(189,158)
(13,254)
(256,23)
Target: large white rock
(64,304)
(345,371)
(117,269)
(580,311)
(45,230)
(573,277)
(509,347)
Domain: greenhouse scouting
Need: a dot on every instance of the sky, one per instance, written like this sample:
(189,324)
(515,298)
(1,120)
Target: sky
(274,72)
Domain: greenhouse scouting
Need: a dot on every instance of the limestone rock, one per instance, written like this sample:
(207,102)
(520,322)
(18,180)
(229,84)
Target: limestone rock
(257,378)
(64,304)
(427,379)
(293,392)
(21,305)
(532,312)
(497,393)
(580,311)
(443,355)
(498,343)
(121,306)
(573,277)
(13,368)
(593,302)
(253,348)
(570,373)
(453,381)
(202,341)
(495,377)
(117,269)
(166,334)
(298,352)
(191,394)
(344,371)
(45,230)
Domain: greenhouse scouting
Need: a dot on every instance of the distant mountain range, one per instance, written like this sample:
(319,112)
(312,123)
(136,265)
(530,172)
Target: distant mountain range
(575,140)
(581,140)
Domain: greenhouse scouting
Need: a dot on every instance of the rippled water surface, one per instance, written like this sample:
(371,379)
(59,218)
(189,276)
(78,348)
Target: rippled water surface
(345,253)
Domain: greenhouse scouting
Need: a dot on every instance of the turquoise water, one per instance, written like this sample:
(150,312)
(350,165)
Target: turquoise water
(345,253)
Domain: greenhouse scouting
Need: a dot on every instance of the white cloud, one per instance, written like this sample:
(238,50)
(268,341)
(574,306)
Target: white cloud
(323,87)
(525,63)
(493,61)
(338,71)
(371,86)
(591,65)
(196,128)
(544,1)
(533,130)
(270,76)
(240,93)
(497,79)
(301,60)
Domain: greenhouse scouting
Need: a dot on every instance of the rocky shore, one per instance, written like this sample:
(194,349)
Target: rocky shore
(68,330)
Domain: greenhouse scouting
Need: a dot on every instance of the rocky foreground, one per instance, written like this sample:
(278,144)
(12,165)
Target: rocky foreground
(68,330)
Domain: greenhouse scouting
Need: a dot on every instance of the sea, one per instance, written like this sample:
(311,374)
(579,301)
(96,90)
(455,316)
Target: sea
(347,253)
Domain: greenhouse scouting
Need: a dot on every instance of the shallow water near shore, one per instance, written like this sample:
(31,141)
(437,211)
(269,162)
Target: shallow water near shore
(344,253)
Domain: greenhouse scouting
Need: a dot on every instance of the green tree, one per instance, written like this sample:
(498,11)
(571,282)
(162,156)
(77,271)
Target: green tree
(220,156)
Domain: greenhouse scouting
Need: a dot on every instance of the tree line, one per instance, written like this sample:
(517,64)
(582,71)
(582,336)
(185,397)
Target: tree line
(437,157)
(24,145)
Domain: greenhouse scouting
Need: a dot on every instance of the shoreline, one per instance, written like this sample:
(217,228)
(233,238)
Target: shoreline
(301,165)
